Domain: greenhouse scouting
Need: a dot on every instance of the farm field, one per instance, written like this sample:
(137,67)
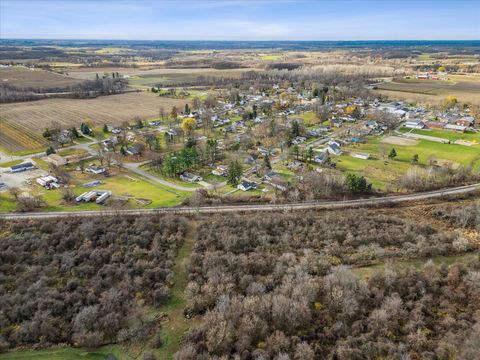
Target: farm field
(15,137)
(35,116)
(465,88)
(90,73)
(23,77)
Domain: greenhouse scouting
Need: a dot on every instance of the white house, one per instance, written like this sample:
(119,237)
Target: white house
(246,185)
(189,177)
(414,124)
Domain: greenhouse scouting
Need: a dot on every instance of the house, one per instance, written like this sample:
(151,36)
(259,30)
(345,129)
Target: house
(298,140)
(133,150)
(414,124)
(321,158)
(171,133)
(189,177)
(457,128)
(434,125)
(246,185)
(466,121)
(252,159)
(371,124)
(360,155)
(333,148)
(270,175)
(220,170)
(22,167)
(56,160)
(295,165)
(264,151)
(337,122)
(96,169)
(278,183)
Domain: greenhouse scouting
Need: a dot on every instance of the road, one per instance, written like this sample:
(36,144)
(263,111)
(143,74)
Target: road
(253,208)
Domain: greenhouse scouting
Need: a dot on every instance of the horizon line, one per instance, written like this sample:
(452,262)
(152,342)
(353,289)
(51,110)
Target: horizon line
(231,40)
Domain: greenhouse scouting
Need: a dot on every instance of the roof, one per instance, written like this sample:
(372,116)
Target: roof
(21,166)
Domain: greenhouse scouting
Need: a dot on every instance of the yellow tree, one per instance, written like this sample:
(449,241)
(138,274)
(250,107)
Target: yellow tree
(188,126)
(450,101)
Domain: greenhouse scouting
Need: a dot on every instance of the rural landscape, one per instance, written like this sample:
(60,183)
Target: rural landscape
(259,199)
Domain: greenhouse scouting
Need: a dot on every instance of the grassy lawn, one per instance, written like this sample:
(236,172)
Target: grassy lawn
(123,184)
(380,172)
(22,153)
(10,163)
(445,134)
(175,181)
(67,353)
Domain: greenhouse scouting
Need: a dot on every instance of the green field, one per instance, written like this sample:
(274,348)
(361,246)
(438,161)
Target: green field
(381,172)
(67,353)
(10,163)
(445,134)
(120,185)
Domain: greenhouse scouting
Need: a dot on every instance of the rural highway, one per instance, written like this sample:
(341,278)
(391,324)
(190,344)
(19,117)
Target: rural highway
(253,208)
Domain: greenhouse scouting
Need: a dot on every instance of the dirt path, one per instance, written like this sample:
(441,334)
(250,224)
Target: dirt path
(177,325)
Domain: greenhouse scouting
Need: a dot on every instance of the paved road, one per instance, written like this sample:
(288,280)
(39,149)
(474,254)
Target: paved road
(253,208)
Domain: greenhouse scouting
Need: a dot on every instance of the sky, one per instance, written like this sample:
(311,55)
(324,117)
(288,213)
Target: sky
(241,20)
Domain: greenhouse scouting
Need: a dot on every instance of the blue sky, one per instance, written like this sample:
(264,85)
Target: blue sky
(240,20)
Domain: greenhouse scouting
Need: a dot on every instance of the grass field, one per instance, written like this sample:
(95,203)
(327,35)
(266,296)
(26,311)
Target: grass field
(23,77)
(380,172)
(465,88)
(446,134)
(121,184)
(67,353)
(22,123)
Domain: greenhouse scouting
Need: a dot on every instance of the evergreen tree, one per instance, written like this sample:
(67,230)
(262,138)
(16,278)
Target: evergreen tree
(235,173)
(310,154)
(357,184)
(415,159)
(266,161)
(105,128)
(47,134)
(392,154)
(295,129)
(50,151)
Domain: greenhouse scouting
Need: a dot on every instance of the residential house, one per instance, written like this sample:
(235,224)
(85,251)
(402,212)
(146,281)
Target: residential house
(189,177)
(333,148)
(414,124)
(278,183)
(246,185)
(466,121)
(220,170)
(97,170)
(457,128)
